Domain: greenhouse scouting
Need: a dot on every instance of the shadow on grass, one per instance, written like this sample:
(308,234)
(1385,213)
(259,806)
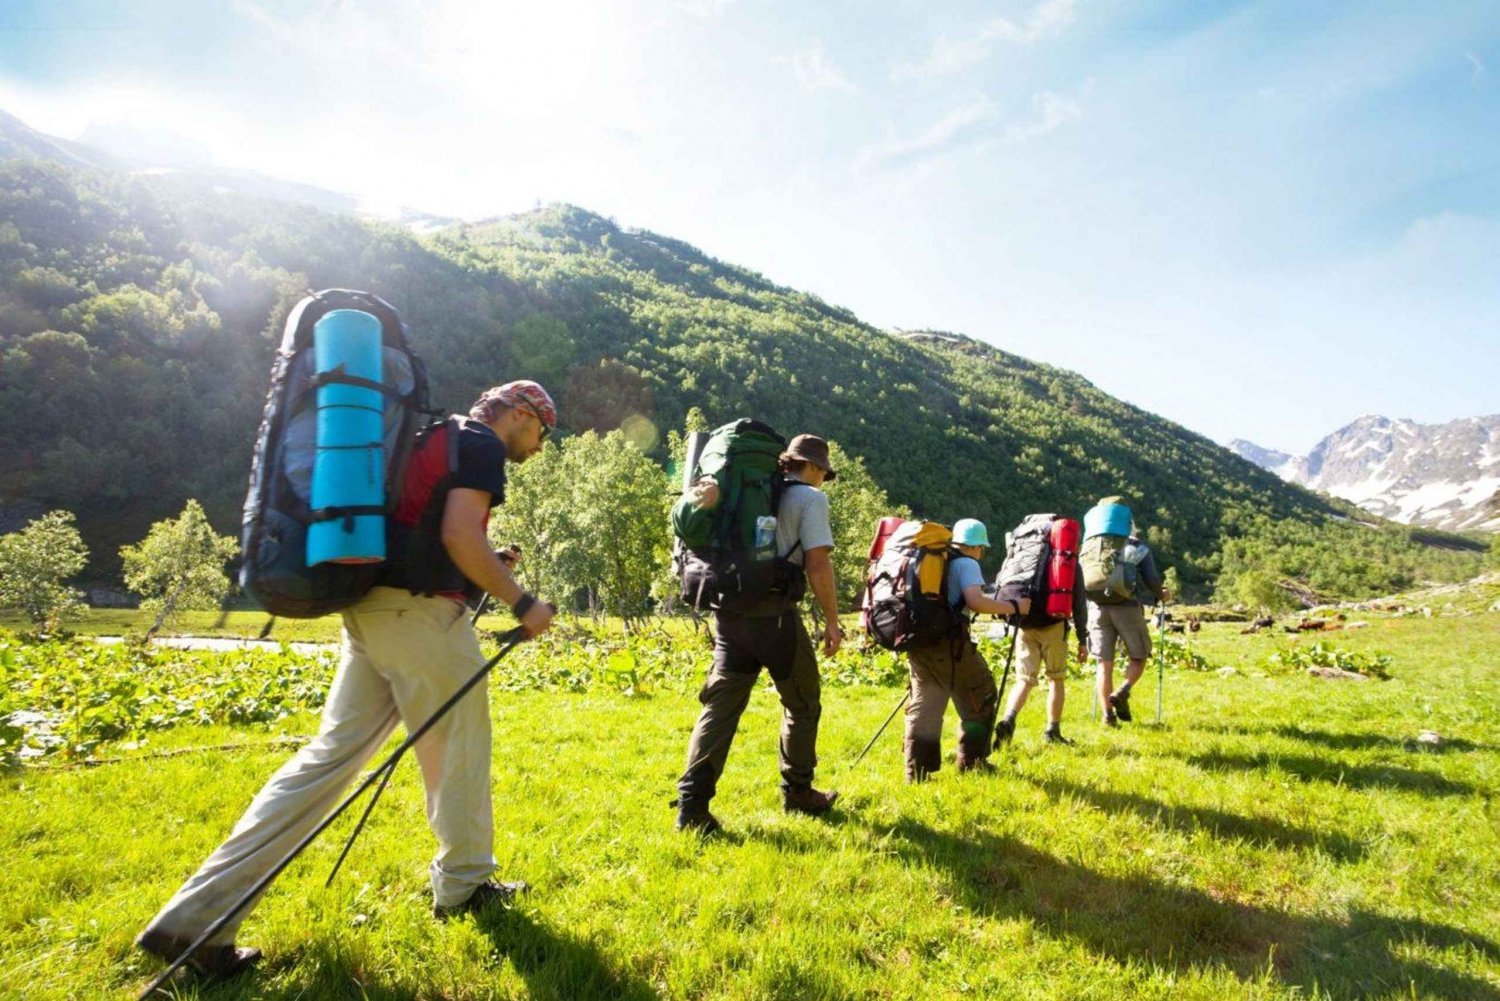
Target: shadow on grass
(553,965)
(1368,741)
(1259,831)
(1313,769)
(1136,920)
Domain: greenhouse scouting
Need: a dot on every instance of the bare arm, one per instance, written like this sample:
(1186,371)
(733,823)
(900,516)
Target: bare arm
(463,536)
(974,597)
(819,567)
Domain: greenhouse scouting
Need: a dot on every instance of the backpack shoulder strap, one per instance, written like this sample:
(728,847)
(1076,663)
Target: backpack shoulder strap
(455,426)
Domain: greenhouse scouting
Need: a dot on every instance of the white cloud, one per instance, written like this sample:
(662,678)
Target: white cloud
(954,127)
(704,8)
(815,71)
(1050,17)
(1477,71)
(1052,112)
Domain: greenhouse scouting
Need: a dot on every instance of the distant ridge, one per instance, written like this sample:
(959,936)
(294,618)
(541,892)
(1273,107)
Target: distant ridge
(1436,475)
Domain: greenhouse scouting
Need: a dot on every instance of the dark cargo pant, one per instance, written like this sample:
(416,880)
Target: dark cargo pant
(742,646)
(948,670)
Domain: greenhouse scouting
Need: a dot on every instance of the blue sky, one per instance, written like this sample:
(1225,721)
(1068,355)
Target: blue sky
(1259,219)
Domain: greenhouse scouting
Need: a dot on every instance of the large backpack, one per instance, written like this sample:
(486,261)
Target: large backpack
(1111,568)
(729,563)
(1041,562)
(278,508)
(906,588)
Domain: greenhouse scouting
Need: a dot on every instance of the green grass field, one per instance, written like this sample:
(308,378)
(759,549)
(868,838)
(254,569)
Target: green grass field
(1276,837)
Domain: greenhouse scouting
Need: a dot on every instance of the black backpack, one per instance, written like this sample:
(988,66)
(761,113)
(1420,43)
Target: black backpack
(277,513)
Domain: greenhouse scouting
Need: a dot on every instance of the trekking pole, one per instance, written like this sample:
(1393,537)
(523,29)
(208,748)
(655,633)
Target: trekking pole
(480,609)
(1161,653)
(904,696)
(1013,630)
(508,643)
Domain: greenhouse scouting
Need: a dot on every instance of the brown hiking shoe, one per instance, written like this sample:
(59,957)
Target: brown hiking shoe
(486,893)
(216,962)
(980,765)
(806,799)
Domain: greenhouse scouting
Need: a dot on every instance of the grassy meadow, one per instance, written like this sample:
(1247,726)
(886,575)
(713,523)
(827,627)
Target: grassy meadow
(1276,836)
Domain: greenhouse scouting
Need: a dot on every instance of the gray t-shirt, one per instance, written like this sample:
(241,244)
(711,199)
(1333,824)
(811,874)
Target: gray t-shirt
(802,517)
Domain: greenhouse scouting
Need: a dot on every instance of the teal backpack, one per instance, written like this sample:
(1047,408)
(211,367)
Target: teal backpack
(729,561)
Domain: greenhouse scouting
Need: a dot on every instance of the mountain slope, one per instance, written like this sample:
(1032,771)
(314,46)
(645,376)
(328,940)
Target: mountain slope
(138,319)
(1443,475)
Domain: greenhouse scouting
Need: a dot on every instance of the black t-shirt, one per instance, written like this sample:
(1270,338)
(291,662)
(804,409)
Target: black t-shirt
(418,559)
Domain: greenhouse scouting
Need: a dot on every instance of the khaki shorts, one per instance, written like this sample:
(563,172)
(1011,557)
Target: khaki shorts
(1126,622)
(1044,646)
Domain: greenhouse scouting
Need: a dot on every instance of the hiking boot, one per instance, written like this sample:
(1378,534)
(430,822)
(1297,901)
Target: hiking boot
(486,893)
(806,799)
(980,765)
(215,962)
(698,820)
(1004,731)
(1055,737)
(1120,703)
(1109,719)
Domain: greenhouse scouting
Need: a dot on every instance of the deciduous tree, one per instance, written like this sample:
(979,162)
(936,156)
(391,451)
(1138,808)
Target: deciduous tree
(179,566)
(35,565)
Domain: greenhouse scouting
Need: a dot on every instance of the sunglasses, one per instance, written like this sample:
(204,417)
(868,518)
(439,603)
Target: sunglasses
(546,430)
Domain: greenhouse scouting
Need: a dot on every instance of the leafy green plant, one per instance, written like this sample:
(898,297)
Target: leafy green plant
(1324,654)
(66,698)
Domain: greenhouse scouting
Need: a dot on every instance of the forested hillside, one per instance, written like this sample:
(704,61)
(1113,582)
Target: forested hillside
(138,317)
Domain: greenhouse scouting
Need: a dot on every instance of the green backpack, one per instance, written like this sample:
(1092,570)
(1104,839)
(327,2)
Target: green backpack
(729,562)
(1111,568)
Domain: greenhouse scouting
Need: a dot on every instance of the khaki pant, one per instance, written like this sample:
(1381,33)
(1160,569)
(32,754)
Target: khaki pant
(403,656)
(948,671)
(742,646)
(1125,622)
(1043,647)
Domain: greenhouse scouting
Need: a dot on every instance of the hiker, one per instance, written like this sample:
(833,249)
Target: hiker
(407,646)
(1118,574)
(952,668)
(770,634)
(1043,646)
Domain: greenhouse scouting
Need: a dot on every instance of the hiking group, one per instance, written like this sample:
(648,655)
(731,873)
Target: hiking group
(356,506)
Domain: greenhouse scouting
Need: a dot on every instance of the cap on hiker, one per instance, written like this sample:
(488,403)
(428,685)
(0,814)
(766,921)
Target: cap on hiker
(810,448)
(971,532)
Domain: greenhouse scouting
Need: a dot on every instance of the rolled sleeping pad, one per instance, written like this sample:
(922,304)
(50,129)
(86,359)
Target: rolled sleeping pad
(884,529)
(1106,519)
(695,443)
(349,466)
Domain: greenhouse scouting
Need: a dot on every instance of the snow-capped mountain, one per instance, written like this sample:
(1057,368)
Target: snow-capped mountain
(1438,475)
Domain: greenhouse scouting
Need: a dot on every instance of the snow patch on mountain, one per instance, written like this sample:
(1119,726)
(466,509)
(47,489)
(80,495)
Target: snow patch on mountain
(1441,476)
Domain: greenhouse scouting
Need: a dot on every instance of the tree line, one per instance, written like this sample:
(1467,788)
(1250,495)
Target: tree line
(138,318)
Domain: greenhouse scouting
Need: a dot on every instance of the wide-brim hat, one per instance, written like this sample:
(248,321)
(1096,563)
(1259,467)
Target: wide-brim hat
(810,448)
